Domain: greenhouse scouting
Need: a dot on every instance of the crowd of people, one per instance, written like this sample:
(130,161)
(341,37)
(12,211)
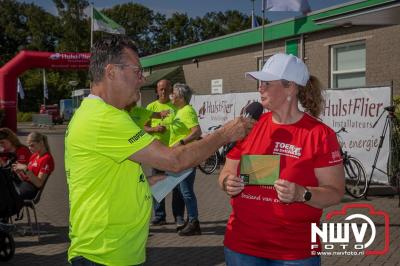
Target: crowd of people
(109,138)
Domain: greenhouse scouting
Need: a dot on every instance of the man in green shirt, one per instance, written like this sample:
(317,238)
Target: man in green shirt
(160,129)
(185,128)
(109,195)
(141,115)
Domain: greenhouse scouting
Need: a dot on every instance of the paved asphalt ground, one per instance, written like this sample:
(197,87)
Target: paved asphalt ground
(165,247)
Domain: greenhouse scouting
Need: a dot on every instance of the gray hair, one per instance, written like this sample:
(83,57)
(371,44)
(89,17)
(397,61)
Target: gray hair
(108,50)
(184,90)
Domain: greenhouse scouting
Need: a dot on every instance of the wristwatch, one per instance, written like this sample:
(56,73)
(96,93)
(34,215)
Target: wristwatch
(181,142)
(307,195)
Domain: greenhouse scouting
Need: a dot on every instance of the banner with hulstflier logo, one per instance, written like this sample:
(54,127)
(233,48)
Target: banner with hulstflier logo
(244,99)
(213,110)
(355,109)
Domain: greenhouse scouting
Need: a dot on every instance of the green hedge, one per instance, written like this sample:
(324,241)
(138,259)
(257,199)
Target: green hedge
(394,155)
(396,102)
(24,117)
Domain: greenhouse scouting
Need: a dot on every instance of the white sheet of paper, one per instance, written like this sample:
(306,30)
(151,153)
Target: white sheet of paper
(161,189)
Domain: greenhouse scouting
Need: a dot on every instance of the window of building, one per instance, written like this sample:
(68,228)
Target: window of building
(348,65)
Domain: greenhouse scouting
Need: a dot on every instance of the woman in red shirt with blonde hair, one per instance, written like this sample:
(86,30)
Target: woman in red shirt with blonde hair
(34,174)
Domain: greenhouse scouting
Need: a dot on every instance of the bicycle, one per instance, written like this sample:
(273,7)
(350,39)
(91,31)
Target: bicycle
(393,166)
(210,164)
(355,178)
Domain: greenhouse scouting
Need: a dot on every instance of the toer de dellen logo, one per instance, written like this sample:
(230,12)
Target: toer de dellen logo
(354,234)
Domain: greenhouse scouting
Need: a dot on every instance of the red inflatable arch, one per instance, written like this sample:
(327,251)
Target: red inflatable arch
(24,61)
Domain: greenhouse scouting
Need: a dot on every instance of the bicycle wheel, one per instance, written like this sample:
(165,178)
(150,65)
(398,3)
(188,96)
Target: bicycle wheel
(356,181)
(7,246)
(209,165)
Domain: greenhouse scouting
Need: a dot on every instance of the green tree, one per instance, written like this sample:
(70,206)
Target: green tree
(43,28)
(75,26)
(216,24)
(137,21)
(25,26)
(236,21)
(28,26)
(180,29)
(159,39)
(12,30)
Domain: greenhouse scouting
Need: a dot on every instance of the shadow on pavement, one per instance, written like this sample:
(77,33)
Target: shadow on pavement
(49,234)
(51,238)
(207,228)
(30,259)
(161,256)
(210,230)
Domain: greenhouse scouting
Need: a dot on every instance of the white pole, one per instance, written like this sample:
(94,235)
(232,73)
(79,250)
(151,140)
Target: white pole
(252,14)
(262,31)
(44,87)
(91,25)
(302,47)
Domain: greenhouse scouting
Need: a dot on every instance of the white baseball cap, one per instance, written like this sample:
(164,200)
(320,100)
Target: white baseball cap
(283,66)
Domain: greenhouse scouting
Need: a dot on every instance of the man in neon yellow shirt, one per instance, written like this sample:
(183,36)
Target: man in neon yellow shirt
(160,129)
(110,199)
(141,115)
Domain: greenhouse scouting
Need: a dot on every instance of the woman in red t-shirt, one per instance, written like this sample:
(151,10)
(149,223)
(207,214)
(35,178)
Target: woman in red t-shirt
(39,167)
(271,224)
(9,142)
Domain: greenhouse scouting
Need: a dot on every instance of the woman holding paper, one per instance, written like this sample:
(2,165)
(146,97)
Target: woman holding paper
(271,223)
(184,129)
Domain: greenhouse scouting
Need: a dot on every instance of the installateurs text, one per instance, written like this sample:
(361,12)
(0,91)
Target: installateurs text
(360,107)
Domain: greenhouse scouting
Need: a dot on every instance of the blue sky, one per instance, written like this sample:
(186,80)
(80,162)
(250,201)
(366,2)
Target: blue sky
(195,8)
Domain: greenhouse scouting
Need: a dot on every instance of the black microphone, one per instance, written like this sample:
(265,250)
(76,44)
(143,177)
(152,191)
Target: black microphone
(253,110)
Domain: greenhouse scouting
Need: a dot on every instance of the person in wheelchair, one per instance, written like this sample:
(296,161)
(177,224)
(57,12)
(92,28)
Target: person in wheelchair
(41,164)
(9,142)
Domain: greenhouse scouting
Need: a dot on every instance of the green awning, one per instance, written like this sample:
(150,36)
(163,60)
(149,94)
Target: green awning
(173,74)
(292,47)
(386,13)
